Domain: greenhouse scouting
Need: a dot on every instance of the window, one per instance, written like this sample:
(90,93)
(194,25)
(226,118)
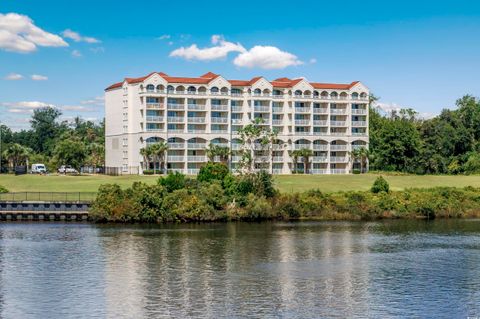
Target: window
(150,88)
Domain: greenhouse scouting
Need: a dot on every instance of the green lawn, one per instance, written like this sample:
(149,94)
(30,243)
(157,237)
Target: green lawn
(286,183)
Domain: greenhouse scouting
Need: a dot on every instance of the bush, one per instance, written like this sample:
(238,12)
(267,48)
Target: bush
(148,172)
(380,185)
(3,189)
(213,171)
(356,171)
(112,204)
(173,181)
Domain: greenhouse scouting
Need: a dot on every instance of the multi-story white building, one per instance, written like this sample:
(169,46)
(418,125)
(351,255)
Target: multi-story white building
(191,113)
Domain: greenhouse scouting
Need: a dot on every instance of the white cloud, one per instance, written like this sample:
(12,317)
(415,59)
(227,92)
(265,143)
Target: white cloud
(77,108)
(220,50)
(164,37)
(99,100)
(76,54)
(26,105)
(13,77)
(97,49)
(19,34)
(20,111)
(75,36)
(313,61)
(266,57)
(388,107)
(38,77)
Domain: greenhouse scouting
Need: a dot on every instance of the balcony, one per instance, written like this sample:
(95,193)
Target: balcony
(359,133)
(319,171)
(196,131)
(338,159)
(262,159)
(156,130)
(176,146)
(176,130)
(277,109)
(359,123)
(196,119)
(176,119)
(264,121)
(237,121)
(262,108)
(277,146)
(302,122)
(358,147)
(277,96)
(302,110)
(320,147)
(154,118)
(338,171)
(175,170)
(220,144)
(219,131)
(338,123)
(237,108)
(320,133)
(175,106)
(277,159)
(320,123)
(339,133)
(301,146)
(175,158)
(196,146)
(277,122)
(320,110)
(196,107)
(236,94)
(219,119)
(198,159)
(155,106)
(338,111)
(219,107)
(359,111)
(236,146)
(319,159)
(236,159)
(335,147)
(258,146)
(193,171)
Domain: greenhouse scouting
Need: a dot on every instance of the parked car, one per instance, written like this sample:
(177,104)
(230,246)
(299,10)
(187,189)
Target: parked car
(38,169)
(67,169)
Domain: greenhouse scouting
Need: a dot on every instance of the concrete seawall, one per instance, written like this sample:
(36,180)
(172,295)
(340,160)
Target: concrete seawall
(43,211)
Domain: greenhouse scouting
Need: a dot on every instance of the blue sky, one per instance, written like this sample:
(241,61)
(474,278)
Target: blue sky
(419,54)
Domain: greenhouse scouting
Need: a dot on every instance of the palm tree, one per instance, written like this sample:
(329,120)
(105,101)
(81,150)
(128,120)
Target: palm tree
(295,155)
(363,154)
(16,154)
(221,151)
(306,153)
(146,153)
(157,152)
(354,156)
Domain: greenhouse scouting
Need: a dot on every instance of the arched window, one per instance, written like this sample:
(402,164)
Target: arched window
(160,88)
(170,89)
(150,88)
(191,90)
(355,96)
(214,90)
(315,94)
(363,95)
(334,95)
(224,91)
(298,93)
(257,92)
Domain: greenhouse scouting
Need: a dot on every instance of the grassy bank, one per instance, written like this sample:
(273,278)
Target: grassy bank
(285,183)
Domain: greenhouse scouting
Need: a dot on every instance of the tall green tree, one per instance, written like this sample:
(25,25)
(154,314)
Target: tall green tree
(71,152)
(45,128)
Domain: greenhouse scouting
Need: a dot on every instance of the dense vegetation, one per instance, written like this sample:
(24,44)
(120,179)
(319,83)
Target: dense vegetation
(446,144)
(217,195)
(54,143)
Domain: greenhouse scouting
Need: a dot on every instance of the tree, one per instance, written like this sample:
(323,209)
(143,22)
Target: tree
(96,155)
(157,152)
(306,153)
(71,152)
(380,185)
(222,152)
(16,155)
(146,154)
(45,129)
(295,154)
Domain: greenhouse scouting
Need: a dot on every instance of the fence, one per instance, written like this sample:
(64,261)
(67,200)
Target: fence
(117,171)
(63,197)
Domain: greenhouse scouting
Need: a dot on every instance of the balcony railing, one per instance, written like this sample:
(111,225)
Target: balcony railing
(219,119)
(196,119)
(198,107)
(237,94)
(359,123)
(338,111)
(263,121)
(176,119)
(320,123)
(338,123)
(157,130)
(196,146)
(174,170)
(359,111)
(358,147)
(221,144)
(302,122)
(175,158)
(154,118)
(237,121)
(236,146)
(220,107)
(277,159)
(320,110)
(277,96)
(176,130)
(302,146)
(193,171)
(277,109)
(338,171)
(175,106)
(302,110)
(319,159)
(262,159)
(338,147)
(236,158)
(193,130)
(198,158)
(155,106)
(277,122)
(176,146)
(320,133)
(237,108)
(320,147)
(262,108)
(359,133)
(219,131)
(319,171)
(338,159)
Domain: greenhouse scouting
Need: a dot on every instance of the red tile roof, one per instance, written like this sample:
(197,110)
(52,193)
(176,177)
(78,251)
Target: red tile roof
(208,77)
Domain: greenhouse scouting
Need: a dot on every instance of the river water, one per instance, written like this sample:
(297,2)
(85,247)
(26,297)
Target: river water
(262,270)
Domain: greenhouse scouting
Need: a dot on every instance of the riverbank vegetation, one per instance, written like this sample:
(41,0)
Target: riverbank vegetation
(217,195)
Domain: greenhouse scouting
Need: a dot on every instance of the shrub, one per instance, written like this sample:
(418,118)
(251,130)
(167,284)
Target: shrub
(258,208)
(3,189)
(213,171)
(380,185)
(185,206)
(148,172)
(112,204)
(172,182)
(356,171)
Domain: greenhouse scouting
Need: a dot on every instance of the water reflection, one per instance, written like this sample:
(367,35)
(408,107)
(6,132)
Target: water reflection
(305,270)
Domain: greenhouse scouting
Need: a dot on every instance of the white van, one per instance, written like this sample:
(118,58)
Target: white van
(38,169)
